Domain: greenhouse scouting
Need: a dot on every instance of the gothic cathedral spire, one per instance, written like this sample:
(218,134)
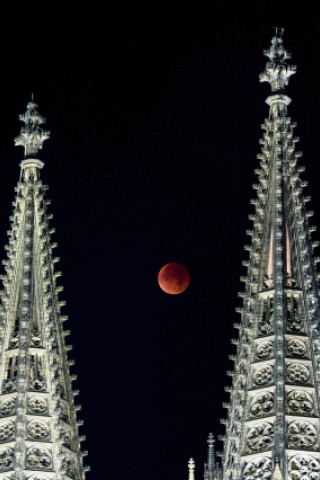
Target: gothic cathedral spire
(39,437)
(273,424)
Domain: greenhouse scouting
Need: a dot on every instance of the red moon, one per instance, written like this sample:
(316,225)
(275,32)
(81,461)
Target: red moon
(173,278)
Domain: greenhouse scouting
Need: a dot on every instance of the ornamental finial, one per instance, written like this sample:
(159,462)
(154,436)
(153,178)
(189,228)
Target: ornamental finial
(277,72)
(209,468)
(31,135)
(210,440)
(191,468)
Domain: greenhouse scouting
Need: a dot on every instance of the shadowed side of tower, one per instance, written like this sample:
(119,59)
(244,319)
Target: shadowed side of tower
(273,425)
(39,438)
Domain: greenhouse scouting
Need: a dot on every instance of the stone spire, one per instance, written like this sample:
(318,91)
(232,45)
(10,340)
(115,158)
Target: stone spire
(209,468)
(191,469)
(273,425)
(39,436)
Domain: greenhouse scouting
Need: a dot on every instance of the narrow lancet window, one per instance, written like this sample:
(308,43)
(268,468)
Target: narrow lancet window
(266,324)
(294,316)
(269,275)
(290,278)
(13,340)
(9,384)
(36,340)
(37,380)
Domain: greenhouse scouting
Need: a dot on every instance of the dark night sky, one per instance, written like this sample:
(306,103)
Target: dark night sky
(155,117)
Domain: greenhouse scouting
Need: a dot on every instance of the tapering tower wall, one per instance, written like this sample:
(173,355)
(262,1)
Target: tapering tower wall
(273,427)
(39,438)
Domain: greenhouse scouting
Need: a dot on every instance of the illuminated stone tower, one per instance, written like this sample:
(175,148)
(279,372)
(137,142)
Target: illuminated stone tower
(39,437)
(273,425)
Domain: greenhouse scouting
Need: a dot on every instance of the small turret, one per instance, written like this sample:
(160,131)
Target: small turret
(210,465)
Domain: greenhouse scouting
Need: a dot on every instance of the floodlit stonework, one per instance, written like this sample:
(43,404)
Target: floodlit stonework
(39,437)
(273,418)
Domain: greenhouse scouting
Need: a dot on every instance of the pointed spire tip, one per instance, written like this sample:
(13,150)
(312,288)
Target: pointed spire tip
(31,135)
(278,31)
(277,72)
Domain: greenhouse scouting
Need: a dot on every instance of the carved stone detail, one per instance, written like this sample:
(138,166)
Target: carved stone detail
(304,467)
(37,378)
(7,407)
(264,350)
(263,375)
(37,405)
(298,373)
(38,429)
(260,469)
(64,411)
(39,458)
(266,323)
(262,404)
(68,464)
(277,72)
(300,403)
(65,435)
(6,431)
(302,434)
(36,340)
(296,348)
(38,476)
(294,318)
(31,136)
(9,385)
(260,437)
(6,459)
(38,384)
(13,342)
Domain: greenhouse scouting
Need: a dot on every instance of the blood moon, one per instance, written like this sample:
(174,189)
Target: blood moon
(173,278)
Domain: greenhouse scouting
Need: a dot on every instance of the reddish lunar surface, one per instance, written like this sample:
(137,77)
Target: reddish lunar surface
(173,278)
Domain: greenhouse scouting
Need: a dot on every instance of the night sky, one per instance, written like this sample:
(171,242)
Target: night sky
(155,115)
